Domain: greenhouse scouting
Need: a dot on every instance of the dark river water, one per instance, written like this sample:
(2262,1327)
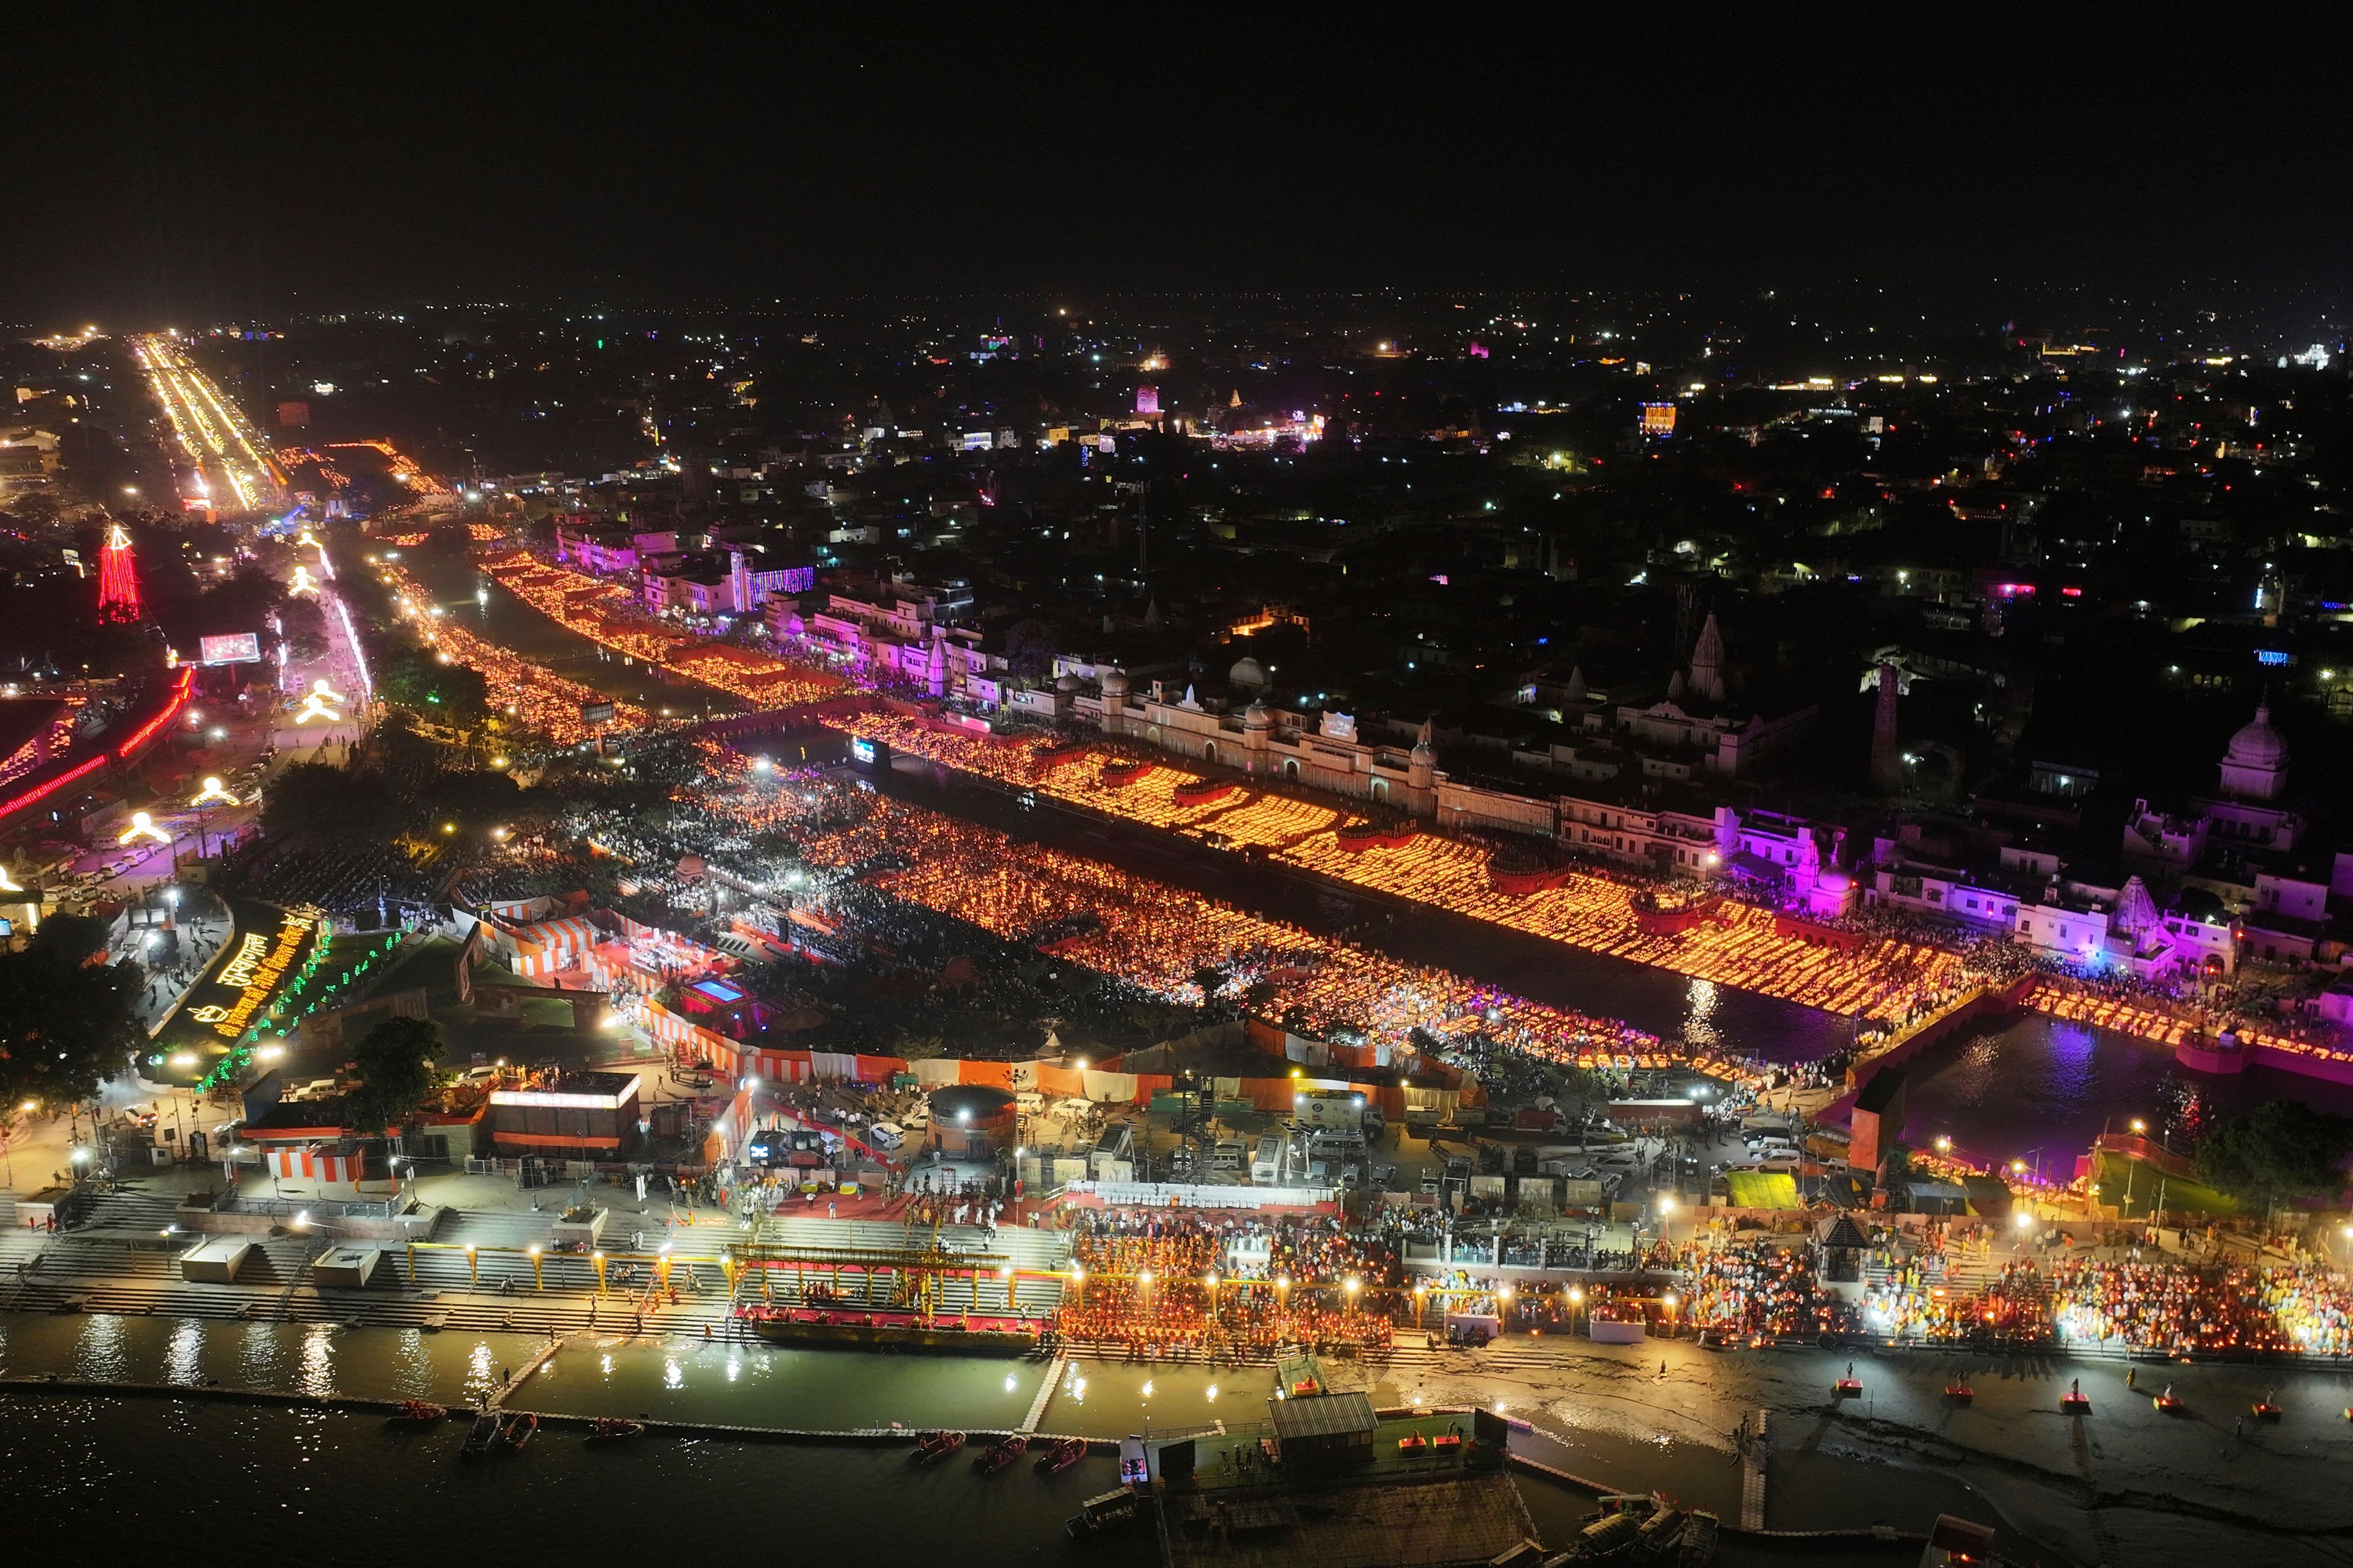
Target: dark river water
(202,1480)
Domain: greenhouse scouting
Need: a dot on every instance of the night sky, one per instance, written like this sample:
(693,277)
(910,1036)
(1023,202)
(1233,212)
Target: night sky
(175,168)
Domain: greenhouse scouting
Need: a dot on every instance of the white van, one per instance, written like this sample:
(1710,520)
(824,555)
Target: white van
(1266,1163)
(886,1136)
(1227,1157)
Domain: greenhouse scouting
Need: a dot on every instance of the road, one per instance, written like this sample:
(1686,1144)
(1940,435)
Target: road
(233,472)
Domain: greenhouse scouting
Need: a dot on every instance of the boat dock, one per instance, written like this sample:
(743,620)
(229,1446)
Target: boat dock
(1755,1449)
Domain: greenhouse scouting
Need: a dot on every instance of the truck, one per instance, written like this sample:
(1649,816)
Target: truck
(1266,1163)
(1339,1108)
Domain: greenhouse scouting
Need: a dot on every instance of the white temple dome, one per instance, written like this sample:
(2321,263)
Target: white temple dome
(1249,675)
(2258,746)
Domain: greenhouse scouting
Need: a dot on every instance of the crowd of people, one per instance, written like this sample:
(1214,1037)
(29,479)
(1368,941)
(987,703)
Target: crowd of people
(1171,1283)
(1165,940)
(1888,978)
(1763,1290)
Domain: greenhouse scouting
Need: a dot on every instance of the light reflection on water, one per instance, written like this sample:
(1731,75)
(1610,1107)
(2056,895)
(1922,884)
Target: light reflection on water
(317,1373)
(103,1355)
(183,1359)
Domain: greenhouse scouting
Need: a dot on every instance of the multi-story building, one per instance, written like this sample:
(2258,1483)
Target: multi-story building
(901,632)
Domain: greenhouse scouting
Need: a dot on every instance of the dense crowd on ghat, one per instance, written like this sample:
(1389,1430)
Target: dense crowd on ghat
(1161,938)
(1763,1290)
(2157,1304)
(1158,1281)
(1904,973)
(1890,978)
(531,694)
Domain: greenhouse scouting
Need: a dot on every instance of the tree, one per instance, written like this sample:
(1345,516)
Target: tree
(77,939)
(65,1025)
(396,1067)
(320,801)
(2281,1149)
(1029,648)
(450,694)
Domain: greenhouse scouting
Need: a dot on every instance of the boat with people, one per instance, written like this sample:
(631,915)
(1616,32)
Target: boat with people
(891,1327)
(933,1446)
(418,1413)
(516,1430)
(1001,1453)
(480,1435)
(1062,1455)
(612,1429)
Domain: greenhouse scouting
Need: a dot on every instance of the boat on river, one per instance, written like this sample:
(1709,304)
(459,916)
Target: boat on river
(1064,1453)
(933,1446)
(613,1429)
(891,1327)
(1001,1453)
(418,1413)
(481,1434)
(516,1430)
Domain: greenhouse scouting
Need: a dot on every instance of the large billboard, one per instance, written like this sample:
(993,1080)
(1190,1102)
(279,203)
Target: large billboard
(244,647)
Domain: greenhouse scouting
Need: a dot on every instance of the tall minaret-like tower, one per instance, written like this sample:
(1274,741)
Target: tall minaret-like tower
(1886,751)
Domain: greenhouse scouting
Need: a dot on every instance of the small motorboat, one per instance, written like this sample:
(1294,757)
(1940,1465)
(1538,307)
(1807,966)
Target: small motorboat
(2266,1410)
(1064,1453)
(612,1429)
(1413,1443)
(481,1434)
(1001,1453)
(517,1430)
(418,1413)
(1959,1393)
(1846,1388)
(933,1446)
(2168,1404)
(2075,1403)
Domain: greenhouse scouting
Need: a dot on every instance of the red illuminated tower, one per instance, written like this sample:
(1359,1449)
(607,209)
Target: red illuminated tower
(118,582)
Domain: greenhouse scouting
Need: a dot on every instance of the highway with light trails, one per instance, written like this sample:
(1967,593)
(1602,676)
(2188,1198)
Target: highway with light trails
(233,472)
